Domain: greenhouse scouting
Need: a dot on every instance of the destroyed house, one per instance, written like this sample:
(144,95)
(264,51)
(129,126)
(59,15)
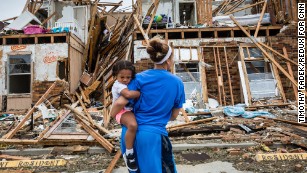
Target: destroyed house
(43,44)
(251,59)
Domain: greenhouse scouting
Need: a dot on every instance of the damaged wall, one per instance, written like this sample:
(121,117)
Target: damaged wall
(233,57)
(140,49)
(284,39)
(46,58)
(44,67)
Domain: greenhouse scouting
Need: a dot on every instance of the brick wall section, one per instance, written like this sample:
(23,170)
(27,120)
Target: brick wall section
(143,64)
(39,88)
(232,57)
(288,39)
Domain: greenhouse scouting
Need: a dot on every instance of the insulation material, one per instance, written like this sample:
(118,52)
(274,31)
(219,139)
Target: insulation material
(248,20)
(262,85)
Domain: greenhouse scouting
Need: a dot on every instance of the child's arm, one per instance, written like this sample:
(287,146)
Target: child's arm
(129,94)
(118,105)
(175,113)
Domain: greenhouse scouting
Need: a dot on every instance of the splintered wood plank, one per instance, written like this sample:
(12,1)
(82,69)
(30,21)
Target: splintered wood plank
(152,16)
(221,75)
(291,73)
(48,130)
(186,118)
(243,8)
(289,122)
(46,20)
(87,46)
(203,76)
(279,54)
(229,78)
(141,29)
(9,157)
(26,6)
(26,117)
(105,143)
(19,141)
(201,12)
(260,19)
(189,123)
(113,162)
(217,77)
(67,137)
(84,109)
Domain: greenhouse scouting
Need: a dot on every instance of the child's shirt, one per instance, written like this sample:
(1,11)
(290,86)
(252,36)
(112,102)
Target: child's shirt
(116,89)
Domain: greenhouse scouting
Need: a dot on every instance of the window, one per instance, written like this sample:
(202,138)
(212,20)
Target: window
(189,73)
(19,73)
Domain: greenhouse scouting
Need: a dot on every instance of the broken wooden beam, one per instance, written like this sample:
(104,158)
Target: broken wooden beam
(291,73)
(84,109)
(141,29)
(243,8)
(186,119)
(105,143)
(267,55)
(289,122)
(113,162)
(260,19)
(190,123)
(26,117)
(152,16)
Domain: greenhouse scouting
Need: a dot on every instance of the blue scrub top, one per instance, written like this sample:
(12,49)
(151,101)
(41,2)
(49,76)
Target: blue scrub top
(161,91)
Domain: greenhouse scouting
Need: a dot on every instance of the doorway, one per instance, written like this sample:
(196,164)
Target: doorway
(186,13)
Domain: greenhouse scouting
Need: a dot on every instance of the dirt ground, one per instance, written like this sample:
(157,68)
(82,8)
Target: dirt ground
(243,161)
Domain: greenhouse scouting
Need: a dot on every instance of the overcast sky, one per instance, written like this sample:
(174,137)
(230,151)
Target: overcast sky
(12,8)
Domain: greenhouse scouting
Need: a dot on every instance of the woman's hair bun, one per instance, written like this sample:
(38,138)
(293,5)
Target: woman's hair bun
(157,49)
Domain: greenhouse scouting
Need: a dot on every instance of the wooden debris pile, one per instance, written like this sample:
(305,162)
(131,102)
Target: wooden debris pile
(263,130)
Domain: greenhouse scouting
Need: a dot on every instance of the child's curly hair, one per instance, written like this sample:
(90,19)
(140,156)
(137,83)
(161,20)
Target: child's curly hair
(123,65)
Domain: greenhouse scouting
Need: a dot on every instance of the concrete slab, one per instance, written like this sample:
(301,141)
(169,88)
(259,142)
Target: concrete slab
(213,167)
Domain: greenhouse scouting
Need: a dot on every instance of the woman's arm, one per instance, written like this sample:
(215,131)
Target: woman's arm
(118,105)
(175,113)
(130,94)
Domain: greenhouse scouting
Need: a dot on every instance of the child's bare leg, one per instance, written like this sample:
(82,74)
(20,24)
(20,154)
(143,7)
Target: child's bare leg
(129,121)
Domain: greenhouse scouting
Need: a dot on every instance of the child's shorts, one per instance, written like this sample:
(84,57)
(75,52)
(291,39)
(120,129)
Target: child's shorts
(119,115)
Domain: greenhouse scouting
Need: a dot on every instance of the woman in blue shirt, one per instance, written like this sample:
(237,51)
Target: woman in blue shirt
(162,96)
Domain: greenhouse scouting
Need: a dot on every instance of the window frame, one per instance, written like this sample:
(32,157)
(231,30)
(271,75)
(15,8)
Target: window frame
(9,74)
